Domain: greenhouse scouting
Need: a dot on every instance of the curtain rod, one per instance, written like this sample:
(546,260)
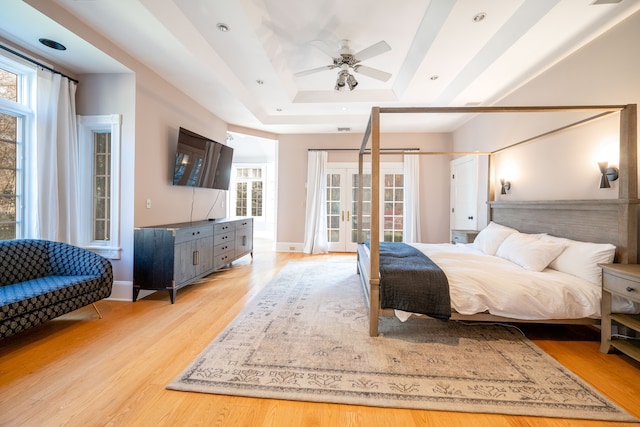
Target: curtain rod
(33,61)
(357,149)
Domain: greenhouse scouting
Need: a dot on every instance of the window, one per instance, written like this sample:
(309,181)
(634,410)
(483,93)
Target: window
(9,172)
(99,151)
(101,186)
(15,117)
(249,191)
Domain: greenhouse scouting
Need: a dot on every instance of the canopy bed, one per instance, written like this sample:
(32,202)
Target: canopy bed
(567,223)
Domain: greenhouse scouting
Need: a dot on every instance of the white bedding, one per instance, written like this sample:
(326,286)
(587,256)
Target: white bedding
(484,283)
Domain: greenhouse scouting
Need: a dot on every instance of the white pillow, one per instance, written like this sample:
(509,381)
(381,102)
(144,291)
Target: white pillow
(529,251)
(581,259)
(490,238)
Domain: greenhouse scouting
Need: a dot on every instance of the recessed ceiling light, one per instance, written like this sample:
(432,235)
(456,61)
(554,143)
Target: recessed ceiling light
(479,17)
(222,27)
(52,44)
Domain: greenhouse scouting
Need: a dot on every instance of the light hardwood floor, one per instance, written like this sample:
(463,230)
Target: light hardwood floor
(82,371)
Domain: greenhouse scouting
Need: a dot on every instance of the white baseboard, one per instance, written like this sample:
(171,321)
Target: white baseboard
(289,247)
(121,291)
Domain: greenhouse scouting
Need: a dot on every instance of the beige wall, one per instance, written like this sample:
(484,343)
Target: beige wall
(292,176)
(160,111)
(152,111)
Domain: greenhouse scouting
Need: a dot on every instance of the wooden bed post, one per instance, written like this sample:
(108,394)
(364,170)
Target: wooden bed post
(374,275)
(360,195)
(628,186)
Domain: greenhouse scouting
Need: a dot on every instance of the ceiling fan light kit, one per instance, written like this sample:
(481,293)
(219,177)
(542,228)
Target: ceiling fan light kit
(346,60)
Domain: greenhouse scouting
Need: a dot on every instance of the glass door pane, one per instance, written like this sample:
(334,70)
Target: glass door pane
(393,214)
(366,209)
(334,208)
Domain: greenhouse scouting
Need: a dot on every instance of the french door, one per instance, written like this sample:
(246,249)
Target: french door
(342,201)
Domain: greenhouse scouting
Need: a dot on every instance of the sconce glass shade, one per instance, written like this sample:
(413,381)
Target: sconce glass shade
(504,186)
(608,174)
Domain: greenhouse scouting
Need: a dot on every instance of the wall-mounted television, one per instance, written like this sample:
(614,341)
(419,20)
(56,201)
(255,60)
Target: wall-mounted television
(202,162)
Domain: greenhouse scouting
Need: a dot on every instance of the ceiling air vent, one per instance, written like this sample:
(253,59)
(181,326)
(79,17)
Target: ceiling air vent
(344,129)
(606,2)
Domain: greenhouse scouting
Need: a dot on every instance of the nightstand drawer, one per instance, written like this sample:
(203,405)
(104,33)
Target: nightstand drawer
(624,280)
(463,236)
(621,286)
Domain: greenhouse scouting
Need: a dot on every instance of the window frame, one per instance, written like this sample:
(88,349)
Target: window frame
(87,126)
(24,110)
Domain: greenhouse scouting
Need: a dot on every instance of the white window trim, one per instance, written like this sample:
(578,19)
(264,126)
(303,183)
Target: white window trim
(87,125)
(24,109)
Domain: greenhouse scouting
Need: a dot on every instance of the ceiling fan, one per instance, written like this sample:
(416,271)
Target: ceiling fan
(345,59)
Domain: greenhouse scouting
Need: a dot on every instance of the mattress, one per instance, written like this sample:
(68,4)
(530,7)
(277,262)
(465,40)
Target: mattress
(483,283)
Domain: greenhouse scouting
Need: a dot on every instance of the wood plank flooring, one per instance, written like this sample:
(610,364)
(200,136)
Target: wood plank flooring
(79,370)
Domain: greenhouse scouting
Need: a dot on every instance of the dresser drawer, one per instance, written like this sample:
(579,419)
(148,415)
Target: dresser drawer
(244,224)
(224,238)
(224,227)
(224,248)
(187,234)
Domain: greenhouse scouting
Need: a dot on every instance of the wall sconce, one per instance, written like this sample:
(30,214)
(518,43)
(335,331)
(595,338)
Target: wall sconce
(505,186)
(608,174)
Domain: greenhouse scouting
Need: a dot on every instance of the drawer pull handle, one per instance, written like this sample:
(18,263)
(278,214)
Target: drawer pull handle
(630,289)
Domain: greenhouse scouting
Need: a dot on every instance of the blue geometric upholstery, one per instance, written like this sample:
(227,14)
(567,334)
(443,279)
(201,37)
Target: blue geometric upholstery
(41,280)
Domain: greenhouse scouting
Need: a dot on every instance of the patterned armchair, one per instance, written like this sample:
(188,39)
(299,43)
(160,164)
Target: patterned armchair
(41,280)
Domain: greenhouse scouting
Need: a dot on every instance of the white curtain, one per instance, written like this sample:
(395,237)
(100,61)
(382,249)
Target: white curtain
(315,230)
(55,161)
(411,231)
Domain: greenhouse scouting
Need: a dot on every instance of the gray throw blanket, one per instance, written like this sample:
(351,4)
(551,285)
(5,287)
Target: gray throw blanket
(411,282)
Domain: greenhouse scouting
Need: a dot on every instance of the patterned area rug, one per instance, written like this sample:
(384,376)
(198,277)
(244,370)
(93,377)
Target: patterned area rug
(305,337)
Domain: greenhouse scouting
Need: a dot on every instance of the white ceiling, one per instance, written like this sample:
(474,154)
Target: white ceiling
(271,40)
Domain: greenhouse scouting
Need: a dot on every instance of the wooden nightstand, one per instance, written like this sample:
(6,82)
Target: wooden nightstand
(463,236)
(622,280)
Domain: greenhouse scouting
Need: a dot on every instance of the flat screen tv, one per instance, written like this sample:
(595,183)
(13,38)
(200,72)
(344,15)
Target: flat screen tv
(202,162)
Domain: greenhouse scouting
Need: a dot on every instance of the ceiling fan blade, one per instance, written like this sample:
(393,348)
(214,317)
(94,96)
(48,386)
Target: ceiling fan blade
(372,72)
(314,70)
(322,46)
(373,50)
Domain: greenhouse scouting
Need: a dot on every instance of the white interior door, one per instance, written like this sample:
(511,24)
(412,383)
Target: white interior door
(464,193)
